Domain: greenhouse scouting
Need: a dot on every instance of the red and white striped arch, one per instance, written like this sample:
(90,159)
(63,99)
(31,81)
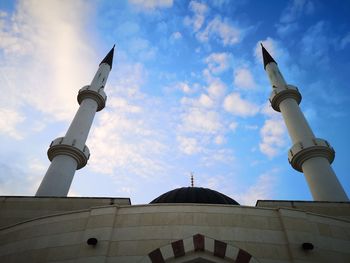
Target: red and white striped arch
(199,246)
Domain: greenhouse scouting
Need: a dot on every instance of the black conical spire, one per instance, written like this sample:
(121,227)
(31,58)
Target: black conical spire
(266,56)
(109,57)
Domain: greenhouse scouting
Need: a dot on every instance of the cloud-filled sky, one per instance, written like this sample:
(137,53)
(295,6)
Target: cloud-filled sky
(187,93)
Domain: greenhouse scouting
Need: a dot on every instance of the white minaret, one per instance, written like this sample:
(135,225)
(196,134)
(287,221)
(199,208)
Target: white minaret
(70,153)
(310,155)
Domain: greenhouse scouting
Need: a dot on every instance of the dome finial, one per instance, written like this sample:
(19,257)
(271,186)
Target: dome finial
(192,180)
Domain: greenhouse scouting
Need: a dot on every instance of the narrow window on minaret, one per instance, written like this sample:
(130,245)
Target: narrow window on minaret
(99,75)
(103,80)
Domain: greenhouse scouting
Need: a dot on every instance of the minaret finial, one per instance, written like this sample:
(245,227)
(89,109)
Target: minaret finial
(266,56)
(109,57)
(192,180)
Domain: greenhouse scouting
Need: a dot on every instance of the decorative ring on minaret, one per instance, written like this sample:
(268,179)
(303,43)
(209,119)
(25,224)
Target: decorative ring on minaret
(279,94)
(302,151)
(97,95)
(62,146)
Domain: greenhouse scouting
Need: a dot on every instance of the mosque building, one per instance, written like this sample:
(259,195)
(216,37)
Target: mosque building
(188,224)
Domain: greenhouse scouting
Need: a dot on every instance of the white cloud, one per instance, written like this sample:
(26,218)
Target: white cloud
(124,105)
(9,119)
(123,143)
(199,10)
(295,9)
(119,156)
(142,48)
(188,145)
(219,139)
(291,14)
(234,104)
(184,87)
(272,137)
(205,101)
(345,41)
(176,35)
(251,127)
(22,177)
(243,78)
(269,111)
(223,31)
(273,133)
(218,62)
(37,166)
(151,5)
(214,156)
(285,29)
(201,121)
(263,189)
(233,126)
(126,138)
(315,44)
(46,47)
(216,88)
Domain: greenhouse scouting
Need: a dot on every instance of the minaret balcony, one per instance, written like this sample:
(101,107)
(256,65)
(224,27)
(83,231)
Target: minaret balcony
(64,146)
(97,95)
(315,147)
(279,94)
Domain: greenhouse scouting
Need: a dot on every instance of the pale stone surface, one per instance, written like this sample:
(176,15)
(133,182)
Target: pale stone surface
(167,252)
(334,209)
(128,259)
(15,209)
(232,252)
(188,244)
(209,244)
(269,235)
(98,259)
(100,249)
(104,211)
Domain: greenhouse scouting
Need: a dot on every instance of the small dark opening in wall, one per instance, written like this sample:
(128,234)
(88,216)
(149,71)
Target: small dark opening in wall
(92,241)
(307,246)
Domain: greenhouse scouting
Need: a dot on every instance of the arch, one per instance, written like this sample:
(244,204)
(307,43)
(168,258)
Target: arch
(199,247)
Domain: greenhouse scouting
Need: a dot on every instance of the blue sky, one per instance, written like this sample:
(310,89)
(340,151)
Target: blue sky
(187,93)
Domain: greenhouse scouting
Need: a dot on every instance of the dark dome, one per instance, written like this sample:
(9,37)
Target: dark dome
(196,195)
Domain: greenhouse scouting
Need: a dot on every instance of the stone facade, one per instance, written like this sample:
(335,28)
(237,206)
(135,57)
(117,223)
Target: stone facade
(173,233)
(16,209)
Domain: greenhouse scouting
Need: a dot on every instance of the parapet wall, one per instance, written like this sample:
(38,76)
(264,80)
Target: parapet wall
(15,209)
(334,209)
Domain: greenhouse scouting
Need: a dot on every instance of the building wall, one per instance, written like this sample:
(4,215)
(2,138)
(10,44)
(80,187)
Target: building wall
(334,209)
(15,209)
(130,233)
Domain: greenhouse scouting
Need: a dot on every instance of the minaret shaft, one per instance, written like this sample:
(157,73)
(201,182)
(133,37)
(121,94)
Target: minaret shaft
(275,76)
(81,124)
(292,114)
(322,180)
(310,155)
(59,177)
(69,153)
